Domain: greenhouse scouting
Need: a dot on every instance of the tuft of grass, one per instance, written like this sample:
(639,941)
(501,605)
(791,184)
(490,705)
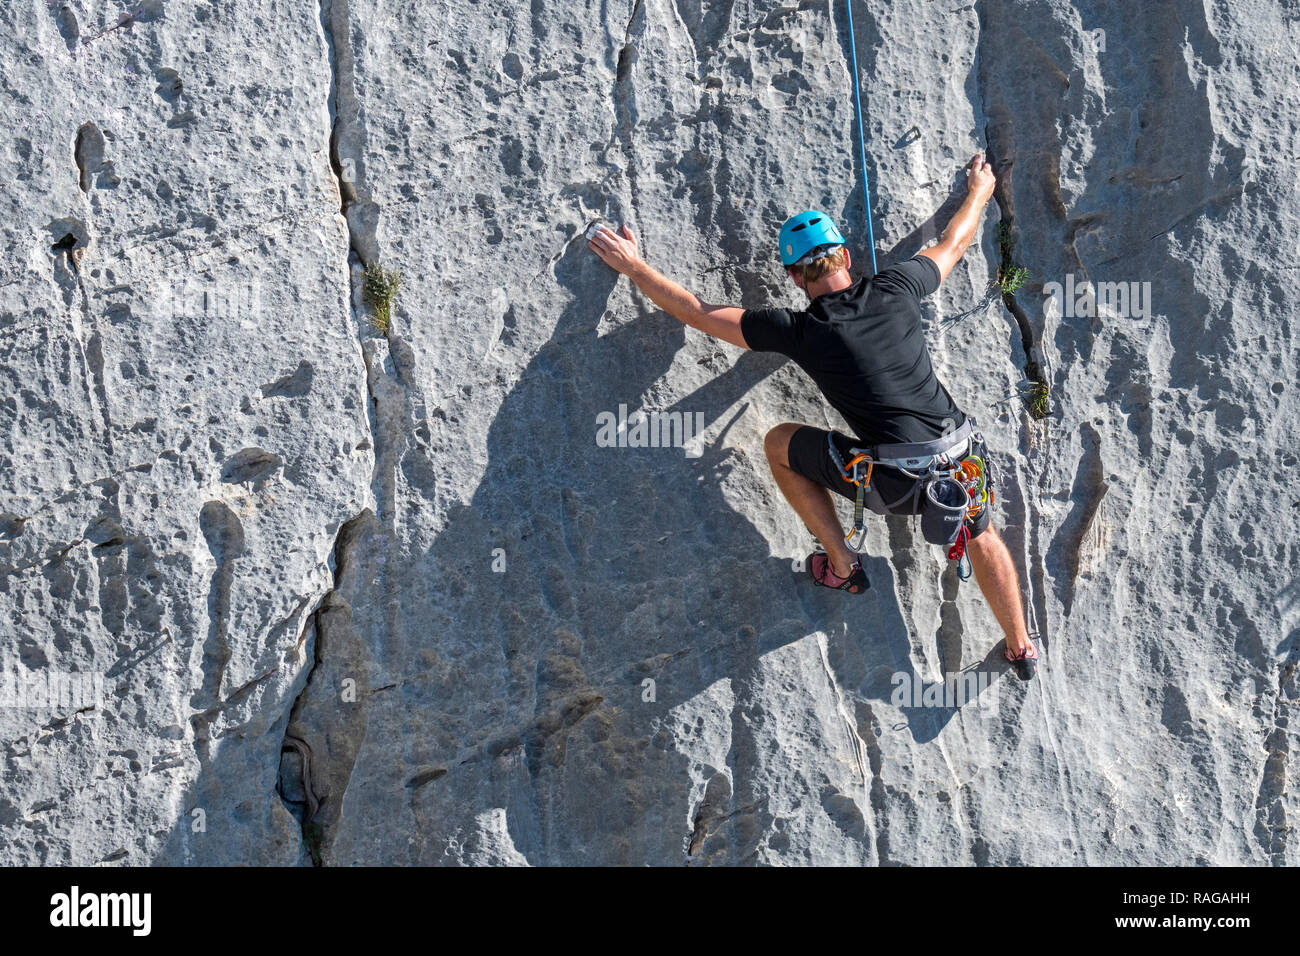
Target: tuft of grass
(1011,274)
(379,292)
(1037,401)
(1012,279)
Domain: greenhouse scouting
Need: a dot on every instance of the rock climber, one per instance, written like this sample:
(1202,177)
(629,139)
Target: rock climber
(862,344)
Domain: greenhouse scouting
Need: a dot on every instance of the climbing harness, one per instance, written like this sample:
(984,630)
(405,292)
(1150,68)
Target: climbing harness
(862,139)
(954,472)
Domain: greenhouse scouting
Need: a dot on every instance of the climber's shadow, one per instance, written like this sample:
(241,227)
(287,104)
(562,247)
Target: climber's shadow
(868,638)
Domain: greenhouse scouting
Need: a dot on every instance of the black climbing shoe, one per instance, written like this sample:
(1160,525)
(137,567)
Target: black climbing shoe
(1025,663)
(823,575)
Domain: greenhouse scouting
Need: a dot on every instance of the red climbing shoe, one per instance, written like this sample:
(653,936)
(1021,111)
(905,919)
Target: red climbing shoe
(823,575)
(1025,663)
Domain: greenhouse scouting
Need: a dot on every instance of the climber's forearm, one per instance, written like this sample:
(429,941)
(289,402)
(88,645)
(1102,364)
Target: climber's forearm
(958,234)
(960,231)
(961,228)
(667,294)
(620,252)
(722,322)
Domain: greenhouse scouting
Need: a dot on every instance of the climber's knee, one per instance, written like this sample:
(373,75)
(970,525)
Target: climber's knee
(776,444)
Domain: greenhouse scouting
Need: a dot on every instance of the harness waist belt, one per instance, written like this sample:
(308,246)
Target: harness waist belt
(917,454)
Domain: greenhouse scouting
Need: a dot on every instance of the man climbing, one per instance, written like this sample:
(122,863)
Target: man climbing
(914,450)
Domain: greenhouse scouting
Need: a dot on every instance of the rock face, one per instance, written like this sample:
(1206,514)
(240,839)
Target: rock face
(280,586)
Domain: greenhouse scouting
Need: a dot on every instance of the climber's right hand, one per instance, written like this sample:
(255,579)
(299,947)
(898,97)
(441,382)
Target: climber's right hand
(980,179)
(619,251)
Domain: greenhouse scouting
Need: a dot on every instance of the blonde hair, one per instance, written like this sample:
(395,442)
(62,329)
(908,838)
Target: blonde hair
(821,268)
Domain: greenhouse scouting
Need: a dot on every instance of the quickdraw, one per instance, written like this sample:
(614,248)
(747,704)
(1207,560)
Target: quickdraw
(858,536)
(969,475)
(958,553)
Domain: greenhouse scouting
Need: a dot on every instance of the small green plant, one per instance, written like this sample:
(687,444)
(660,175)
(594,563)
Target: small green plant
(1011,274)
(379,291)
(1037,401)
(1010,280)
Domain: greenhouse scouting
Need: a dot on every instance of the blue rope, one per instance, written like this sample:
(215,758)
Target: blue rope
(862,139)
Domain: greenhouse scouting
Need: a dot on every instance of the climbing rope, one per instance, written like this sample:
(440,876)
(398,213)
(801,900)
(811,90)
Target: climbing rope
(862,139)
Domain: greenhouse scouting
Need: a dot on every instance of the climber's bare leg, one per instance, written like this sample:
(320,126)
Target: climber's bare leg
(996,574)
(810,500)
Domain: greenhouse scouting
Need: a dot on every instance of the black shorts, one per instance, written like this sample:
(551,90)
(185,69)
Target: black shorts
(810,457)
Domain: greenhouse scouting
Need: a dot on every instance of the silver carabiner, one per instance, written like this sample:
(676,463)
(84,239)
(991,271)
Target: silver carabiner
(856,546)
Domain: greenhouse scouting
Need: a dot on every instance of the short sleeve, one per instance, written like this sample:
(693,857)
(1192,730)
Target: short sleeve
(769,330)
(918,276)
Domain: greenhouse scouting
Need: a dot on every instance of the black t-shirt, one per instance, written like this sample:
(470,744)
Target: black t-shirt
(865,349)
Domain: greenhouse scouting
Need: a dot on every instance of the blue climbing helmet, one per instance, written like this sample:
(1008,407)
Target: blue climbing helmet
(805,232)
